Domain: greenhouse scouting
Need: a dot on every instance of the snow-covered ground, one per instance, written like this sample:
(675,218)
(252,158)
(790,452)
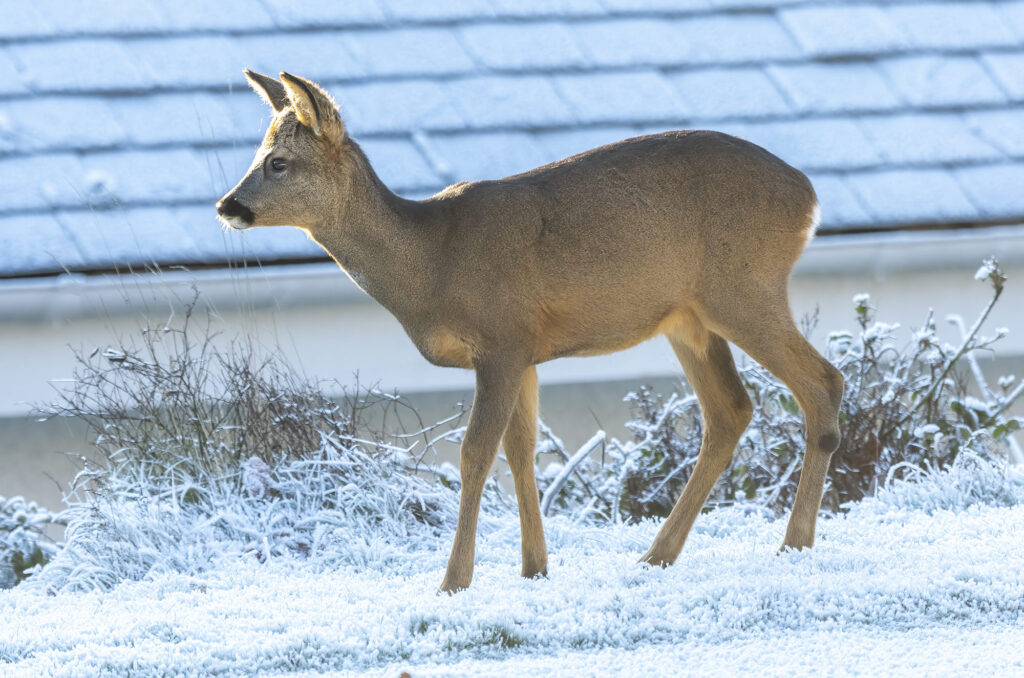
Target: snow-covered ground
(898,586)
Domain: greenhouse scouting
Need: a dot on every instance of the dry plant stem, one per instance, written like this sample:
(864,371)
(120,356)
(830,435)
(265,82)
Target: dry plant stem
(990,396)
(964,346)
(570,467)
(559,447)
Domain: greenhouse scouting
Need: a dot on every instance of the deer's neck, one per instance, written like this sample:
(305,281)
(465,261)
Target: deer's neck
(380,240)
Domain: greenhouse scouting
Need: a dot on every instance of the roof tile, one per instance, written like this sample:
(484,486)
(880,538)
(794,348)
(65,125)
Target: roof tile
(816,144)
(101,16)
(560,144)
(222,168)
(143,176)
(723,93)
(488,155)
(400,165)
(417,10)
(1008,69)
(128,238)
(839,207)
(80,65)
(832,88)
(629,6)
(546,8)
(632,42)
(400,106)
(179,118)
(235,15)
(997,189)
(1004,129)
(322,56)
(942,81)
(1013,12)
(192,61)
(524,46)
(734,38)
(617,97)
(749,4)
(842,30)
(926,139)
(408,51)
(22,20)
(951,25)
(525,101)
(906,196)
(729,92)
(39,181)
(59,123)
(289,14)
(35,244)
(10,76)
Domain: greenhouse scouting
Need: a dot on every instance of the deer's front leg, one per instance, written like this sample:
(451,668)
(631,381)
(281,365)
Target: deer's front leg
(497,387)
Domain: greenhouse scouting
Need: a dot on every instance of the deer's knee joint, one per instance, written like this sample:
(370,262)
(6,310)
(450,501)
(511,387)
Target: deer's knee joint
(739,411)
(828,442)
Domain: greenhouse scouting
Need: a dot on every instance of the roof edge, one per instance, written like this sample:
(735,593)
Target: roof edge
(77,295)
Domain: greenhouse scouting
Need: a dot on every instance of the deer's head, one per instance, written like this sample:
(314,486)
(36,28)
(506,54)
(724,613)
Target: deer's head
(294,178)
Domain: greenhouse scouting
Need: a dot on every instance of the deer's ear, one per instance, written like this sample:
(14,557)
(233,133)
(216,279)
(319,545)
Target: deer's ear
(270,90)
(313,106)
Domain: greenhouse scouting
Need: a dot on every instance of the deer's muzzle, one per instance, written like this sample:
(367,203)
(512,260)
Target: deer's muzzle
(234,213)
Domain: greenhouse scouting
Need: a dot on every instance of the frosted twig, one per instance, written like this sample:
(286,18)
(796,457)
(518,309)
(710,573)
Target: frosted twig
(563,475)
(1003,401)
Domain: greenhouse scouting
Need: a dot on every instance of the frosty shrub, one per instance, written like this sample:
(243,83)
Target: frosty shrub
(23,541)
(905,408)
(210,454)
(971,479)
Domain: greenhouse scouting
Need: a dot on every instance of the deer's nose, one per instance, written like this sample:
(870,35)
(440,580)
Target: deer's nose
(229,207)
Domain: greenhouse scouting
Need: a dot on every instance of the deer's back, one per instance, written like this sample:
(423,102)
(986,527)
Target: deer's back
(672,193)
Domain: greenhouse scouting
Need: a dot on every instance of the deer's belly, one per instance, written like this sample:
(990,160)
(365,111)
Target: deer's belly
(603,338)
(444,348)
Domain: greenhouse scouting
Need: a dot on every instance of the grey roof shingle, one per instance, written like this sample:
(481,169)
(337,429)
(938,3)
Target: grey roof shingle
(835,87)
(838,30)
(120,126)
(890,195)
(932,80)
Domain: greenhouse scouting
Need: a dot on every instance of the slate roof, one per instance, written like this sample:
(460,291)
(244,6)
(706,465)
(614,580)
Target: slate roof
(121,123)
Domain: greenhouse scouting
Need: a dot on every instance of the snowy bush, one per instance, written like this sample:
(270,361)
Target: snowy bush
(904,408)
(213,454)
(23,541)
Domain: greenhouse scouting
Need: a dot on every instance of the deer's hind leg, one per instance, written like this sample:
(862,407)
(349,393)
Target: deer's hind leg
(725,411)
(519,442)
(764,329)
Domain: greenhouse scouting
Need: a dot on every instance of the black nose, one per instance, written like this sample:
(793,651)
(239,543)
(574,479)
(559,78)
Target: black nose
(229,207)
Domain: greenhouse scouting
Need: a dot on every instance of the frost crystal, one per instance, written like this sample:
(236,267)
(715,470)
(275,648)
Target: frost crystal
(986,269)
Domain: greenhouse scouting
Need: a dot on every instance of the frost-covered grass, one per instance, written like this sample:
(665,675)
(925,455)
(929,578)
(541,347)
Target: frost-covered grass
(23,541)
(925,578)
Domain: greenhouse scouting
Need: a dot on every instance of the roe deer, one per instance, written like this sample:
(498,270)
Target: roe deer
(690,234)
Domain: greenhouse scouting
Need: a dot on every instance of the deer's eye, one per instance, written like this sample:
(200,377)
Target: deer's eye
(278,165)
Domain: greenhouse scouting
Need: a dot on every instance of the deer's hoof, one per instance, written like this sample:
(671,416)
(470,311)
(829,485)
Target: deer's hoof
(452,585)
(655,559)
(535,573)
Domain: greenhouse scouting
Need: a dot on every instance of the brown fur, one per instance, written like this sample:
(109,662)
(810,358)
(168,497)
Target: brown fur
(689,234)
